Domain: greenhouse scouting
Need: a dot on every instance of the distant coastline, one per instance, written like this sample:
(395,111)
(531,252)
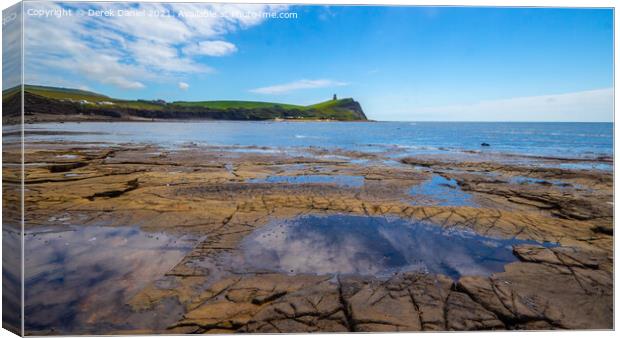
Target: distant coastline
(52,104)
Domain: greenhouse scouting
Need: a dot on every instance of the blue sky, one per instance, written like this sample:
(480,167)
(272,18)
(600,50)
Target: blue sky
(401,63)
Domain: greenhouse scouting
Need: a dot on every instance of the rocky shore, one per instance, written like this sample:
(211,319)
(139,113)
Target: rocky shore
(562,279)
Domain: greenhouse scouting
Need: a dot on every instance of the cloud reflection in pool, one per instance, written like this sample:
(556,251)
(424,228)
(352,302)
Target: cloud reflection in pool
(78,280)
(346,244)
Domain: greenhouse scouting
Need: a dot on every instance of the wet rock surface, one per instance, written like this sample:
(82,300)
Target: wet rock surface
(224,196)
(578,194)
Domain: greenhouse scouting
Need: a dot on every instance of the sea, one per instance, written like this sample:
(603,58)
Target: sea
(565,140)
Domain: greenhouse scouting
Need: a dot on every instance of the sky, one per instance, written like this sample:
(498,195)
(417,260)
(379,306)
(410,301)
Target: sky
(400,63)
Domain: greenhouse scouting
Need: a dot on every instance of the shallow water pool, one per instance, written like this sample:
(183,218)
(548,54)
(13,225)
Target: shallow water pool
(379,246)
(79,278)
(442,192)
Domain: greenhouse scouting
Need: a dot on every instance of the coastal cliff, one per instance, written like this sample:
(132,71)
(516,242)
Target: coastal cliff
(51,104)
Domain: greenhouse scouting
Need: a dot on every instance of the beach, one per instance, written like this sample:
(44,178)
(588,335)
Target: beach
(273,227)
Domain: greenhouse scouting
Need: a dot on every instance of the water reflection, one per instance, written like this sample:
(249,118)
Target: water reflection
(78,280)
(379,246)
(440,191)
(11,273)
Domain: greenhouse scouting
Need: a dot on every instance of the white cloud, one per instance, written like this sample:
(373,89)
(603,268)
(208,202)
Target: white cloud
(122,82)
(160,56)
(211,48)
(297,85)
(183,86)
(590,105)
(128,52)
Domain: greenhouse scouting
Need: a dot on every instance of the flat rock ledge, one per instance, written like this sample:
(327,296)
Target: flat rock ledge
(208,193)
(549,288)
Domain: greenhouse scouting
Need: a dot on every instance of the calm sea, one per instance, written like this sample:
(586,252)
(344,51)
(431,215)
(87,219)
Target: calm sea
(574,140)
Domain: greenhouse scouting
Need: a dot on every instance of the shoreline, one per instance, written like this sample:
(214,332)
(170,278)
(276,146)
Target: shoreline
(482,155)
(70,119)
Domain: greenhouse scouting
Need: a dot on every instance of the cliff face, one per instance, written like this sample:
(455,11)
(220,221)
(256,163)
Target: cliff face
(354,106)
(51,104)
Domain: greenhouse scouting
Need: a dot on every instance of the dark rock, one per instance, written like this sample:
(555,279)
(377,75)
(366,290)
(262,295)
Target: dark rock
(604,229)
(62,168)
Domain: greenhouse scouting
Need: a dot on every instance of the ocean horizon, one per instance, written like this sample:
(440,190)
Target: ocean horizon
(571,140)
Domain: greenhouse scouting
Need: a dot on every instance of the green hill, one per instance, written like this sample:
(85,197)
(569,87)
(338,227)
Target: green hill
(65,104)
(235,104)
(63,93)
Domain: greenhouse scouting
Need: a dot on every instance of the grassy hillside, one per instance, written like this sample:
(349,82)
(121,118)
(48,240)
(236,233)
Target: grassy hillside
(51,103)
(235,104)
(83,95)
(66,93)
